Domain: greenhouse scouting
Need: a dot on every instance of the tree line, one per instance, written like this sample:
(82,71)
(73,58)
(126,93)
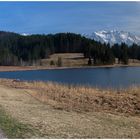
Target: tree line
(16,49)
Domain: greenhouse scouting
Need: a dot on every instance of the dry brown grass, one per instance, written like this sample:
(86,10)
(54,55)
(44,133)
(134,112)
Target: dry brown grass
(68,60)
(82,98)
(33,103)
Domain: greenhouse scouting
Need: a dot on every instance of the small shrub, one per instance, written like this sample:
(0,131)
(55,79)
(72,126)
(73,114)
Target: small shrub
(59,62)
(52,62)
(89,61)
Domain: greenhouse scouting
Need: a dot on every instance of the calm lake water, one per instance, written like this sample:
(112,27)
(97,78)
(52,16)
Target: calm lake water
(100,77)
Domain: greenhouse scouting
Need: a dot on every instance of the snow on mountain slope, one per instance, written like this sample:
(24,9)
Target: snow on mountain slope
(115,36)
(24,34)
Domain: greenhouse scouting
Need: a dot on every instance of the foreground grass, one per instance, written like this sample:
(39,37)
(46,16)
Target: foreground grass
(14,129)
(60,111)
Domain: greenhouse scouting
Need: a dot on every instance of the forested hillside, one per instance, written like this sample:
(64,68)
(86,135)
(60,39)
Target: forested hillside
(16,49)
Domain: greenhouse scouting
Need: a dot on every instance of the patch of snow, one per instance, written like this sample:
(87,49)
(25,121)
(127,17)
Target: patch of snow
(24,34)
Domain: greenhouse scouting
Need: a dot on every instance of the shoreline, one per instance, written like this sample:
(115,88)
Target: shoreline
(28,68)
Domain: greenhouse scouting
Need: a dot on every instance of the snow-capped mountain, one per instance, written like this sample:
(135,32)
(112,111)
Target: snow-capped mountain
(24,34)
(115,36)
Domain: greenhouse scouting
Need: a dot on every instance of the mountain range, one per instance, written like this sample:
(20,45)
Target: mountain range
(114,37)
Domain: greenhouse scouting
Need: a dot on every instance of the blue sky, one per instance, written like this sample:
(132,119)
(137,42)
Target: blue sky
(78,17)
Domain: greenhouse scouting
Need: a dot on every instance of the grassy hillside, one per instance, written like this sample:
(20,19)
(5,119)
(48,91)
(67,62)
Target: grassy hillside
(67,60)
(76,60)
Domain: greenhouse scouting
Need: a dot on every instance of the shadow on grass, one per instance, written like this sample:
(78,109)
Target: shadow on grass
(14,129)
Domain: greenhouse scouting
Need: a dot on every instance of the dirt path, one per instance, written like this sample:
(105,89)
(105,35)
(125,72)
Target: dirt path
(54,123)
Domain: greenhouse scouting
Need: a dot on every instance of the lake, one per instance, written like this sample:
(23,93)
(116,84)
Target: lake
(118,77)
